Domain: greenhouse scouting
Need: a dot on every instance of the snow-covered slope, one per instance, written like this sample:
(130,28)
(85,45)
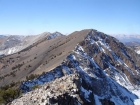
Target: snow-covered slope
(137,92)
(138,51)
(105,73)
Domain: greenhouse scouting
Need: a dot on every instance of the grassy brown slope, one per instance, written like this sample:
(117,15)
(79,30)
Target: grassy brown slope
(42,57)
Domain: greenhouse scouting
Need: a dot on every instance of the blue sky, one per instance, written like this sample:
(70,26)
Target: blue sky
(26,17)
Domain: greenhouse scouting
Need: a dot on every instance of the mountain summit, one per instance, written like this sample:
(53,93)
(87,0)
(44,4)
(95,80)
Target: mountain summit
(86,67)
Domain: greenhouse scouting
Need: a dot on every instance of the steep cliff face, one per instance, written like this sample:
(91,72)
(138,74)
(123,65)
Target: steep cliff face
(99,71)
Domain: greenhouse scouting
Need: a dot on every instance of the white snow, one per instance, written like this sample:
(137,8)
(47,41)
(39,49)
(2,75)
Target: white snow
(120,78)
(126,66)
(82,53)
(86,93)
(90,39)
(122,62)
(47,77)
(67,69)
(138,51)
(105,45)
(137,101)
(79,103)
(73,57)
(54,35)
(97,101)
(80,48)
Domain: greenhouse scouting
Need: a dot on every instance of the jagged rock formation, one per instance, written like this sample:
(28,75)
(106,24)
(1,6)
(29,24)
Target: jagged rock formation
(105,72)
(67,90)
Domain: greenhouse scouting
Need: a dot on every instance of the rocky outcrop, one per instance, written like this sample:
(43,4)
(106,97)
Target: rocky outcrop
(62,91)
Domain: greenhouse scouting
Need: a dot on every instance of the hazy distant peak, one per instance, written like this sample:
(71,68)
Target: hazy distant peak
(128,36)
(57,33)
(54,35)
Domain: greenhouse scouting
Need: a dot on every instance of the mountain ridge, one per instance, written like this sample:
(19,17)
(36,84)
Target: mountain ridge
(107,72)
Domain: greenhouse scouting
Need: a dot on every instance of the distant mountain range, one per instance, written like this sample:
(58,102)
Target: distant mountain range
(10,44)
(128,38)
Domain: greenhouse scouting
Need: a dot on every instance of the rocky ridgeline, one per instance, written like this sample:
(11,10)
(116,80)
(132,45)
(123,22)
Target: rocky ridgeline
(64,91)
(100,71)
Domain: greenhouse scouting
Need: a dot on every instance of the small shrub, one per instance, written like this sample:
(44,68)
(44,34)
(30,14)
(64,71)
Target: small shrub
(34,87)
(32,76)
(17,66)
(43,73)
(29,66)
(59,53)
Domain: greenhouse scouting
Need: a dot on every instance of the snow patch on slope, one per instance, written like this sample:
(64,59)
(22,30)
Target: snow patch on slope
(138,51)
(86,93)
(97,101)
(137,101)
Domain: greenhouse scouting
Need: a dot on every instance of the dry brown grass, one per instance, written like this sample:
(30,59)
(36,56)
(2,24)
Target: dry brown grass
(38,55)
